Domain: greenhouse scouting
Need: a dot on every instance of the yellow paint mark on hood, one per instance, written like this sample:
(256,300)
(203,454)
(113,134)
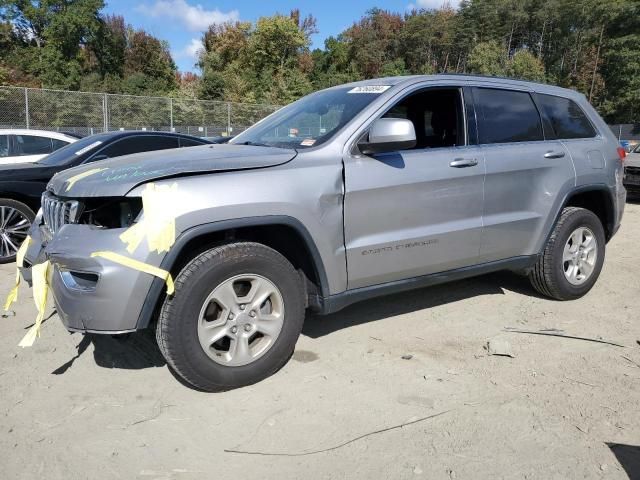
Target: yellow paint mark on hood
(71,181)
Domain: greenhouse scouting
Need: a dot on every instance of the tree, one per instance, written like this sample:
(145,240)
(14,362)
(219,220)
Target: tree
(525,65)
(54,34)
(487,58)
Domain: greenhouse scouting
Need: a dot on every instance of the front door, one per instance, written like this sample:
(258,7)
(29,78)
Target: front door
(418,211)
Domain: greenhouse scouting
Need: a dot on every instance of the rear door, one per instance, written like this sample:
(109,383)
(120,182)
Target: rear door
(30,148)
(525,173)
(569,124)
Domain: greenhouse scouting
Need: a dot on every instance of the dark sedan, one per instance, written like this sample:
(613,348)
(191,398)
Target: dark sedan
(21,185)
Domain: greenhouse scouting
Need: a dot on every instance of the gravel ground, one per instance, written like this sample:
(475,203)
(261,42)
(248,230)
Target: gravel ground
(97,407)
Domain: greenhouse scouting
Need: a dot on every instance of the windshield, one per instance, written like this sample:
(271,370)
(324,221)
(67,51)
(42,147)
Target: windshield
(69,153)
(312,120)
(637,149)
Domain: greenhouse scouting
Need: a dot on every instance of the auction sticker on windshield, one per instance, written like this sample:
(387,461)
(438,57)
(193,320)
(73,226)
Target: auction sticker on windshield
(370,89)
(88,147)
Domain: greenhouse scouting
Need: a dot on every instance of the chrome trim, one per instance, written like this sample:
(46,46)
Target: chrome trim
(57,212)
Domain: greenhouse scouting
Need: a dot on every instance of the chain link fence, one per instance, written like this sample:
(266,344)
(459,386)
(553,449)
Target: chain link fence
(86,113)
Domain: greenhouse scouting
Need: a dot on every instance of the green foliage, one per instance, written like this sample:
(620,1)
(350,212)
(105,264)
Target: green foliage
(590,45)
(67,44)
(488,58)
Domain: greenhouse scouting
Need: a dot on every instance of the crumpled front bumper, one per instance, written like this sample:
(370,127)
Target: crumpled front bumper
(91,294)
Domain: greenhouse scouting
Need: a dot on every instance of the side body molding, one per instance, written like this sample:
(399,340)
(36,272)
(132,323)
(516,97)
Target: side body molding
(158,285)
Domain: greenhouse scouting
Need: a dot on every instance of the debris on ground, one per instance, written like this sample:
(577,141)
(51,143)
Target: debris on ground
(500,348)
(407,356)
(558,333)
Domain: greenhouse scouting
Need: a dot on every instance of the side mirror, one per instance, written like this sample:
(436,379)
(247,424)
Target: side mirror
(389,135)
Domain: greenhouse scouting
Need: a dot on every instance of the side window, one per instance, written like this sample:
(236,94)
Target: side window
(137,144)
(566,117)
(506,116)
(4,146)
(436,114)
(33,145)
(58,144)
(189,142)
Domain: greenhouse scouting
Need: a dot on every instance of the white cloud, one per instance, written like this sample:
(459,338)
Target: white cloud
(433,4)
(194,17)
(193,49)
(189,51)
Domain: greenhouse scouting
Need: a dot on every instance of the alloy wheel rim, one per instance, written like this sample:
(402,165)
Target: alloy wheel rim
(579,256)
(14,227)
(240,320)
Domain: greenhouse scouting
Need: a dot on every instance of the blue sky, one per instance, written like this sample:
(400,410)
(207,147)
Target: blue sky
(181,22)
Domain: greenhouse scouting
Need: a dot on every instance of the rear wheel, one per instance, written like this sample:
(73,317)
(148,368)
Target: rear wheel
(15,221)
(234,319)
(573,257)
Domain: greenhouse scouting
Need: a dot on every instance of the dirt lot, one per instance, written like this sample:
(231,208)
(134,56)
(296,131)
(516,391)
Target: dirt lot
(95,407)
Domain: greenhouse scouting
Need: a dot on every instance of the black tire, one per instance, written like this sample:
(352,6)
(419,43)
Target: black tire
(24,211)
(547,276)
(176,330)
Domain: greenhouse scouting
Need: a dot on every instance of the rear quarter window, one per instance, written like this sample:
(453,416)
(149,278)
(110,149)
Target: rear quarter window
(565,116)
(506,116)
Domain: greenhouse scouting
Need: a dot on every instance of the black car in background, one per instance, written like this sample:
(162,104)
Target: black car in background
(22,185)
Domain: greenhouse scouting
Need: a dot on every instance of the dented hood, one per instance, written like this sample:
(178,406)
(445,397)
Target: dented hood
(117,176)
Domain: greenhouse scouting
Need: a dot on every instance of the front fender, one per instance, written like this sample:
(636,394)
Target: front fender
(158,286)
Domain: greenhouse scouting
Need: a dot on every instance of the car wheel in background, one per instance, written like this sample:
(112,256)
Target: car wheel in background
(15,221)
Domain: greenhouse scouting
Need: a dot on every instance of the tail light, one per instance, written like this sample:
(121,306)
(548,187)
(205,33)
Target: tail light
(622,153)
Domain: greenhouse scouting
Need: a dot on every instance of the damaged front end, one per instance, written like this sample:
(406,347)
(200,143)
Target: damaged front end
(91,293)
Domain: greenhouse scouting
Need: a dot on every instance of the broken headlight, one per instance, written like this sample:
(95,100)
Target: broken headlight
(119,212)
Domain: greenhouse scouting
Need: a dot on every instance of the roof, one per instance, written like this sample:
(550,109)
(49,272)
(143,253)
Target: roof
(132,133)
(410,79)
(42,133)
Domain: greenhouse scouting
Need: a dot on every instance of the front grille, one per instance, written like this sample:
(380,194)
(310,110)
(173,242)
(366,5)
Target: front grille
(632,170)
(57,212)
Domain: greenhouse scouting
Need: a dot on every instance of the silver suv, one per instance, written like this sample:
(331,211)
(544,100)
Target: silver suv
(352,192)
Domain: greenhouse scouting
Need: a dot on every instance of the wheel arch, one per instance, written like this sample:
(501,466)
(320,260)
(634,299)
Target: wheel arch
(285,234)
(22,198)
(599,200)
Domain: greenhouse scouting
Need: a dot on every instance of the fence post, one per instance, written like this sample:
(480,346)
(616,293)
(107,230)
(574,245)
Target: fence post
(170,114)
(26,106)
(228,119)
(105,113)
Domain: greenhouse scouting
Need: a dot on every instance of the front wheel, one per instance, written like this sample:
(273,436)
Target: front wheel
(15,221)
(572,259)
(234,319)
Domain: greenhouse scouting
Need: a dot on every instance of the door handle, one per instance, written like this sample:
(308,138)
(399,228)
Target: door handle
(463,162)
(552,154)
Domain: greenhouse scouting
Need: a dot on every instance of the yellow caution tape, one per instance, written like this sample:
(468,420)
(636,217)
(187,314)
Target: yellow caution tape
(140,266)
(71,182)
(158,223)
(13,294)
(40,275)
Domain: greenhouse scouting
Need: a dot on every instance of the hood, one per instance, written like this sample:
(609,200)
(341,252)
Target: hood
(25,172)
(116,177)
